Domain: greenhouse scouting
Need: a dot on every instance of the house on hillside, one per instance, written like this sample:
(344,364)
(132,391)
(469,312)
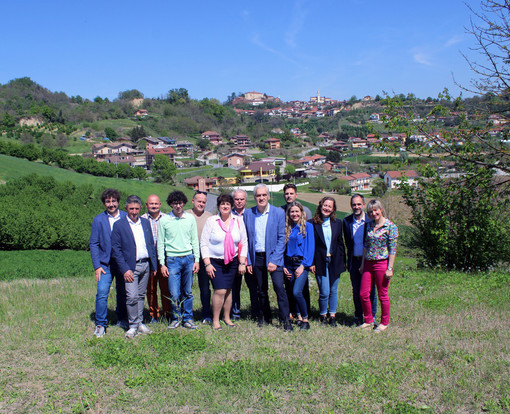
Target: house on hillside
(121,159)
(159,150)
(184,146)
(141,113)
(235,160)
(258,172)
(358,181)
(199,183)
(213,137)
(241,140)
(393,178)
(273,143)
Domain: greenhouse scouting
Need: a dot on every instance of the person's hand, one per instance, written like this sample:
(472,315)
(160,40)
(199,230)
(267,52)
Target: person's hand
(153,273)
(210,269)
(388,274)
(271,267)
(249,269)
(299,271)
(99,271)
(287,273)
(164,271)
(242,268)
(312,269)
(128,276)
(196,267)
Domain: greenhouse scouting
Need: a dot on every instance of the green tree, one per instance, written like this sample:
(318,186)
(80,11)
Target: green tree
(463,221)
(111,133)
(163,170)
(379,188)
(131,94)
(178,96)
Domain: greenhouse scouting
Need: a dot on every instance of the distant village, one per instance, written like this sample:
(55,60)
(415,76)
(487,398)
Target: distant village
(239,153)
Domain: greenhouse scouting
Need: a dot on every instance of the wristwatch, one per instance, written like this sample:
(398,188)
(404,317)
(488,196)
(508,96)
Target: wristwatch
(390,269)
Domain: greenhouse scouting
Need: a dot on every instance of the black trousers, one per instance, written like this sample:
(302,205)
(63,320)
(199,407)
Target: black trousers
(260,273)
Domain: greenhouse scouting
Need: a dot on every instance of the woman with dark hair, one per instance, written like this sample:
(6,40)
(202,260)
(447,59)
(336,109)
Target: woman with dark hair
(299,252)
(380,248)
(223,245)
(329,258)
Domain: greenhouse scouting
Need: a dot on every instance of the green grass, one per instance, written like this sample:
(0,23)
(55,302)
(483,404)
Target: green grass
(11,167)
(446,350)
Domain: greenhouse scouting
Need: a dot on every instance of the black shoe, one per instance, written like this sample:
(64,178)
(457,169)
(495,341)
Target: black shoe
(304,326)
(323,320)
(299,322)
(261,323)
(332,322)
(287,326)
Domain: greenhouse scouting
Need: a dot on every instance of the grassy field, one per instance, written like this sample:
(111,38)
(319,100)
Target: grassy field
(446,351)
(11,167)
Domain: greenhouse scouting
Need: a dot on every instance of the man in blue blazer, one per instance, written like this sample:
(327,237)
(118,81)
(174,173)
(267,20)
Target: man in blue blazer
(265,225)
(134,253)
(354,230)
(104,268)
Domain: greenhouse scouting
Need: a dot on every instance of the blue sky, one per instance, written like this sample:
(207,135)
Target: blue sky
(213,48)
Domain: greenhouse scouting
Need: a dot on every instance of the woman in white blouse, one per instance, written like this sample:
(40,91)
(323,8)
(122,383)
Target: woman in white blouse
(223,246)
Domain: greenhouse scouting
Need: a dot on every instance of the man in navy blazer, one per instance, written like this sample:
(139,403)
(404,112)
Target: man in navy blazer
(354,230)
(134,253)
(265,226)
(104,268)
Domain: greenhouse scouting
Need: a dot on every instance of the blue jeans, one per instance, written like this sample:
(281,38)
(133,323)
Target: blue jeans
(180,282)
(297,285)
(328,292)
(103,290)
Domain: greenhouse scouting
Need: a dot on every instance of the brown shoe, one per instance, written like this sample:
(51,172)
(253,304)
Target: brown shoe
(380,328)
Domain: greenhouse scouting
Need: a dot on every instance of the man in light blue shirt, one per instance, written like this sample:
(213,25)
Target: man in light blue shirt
(265,225)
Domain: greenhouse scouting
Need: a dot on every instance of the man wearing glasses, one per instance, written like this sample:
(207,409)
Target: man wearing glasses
(179,255)
(265,225)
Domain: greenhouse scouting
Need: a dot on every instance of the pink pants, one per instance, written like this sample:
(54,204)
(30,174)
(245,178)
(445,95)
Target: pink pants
(374,271)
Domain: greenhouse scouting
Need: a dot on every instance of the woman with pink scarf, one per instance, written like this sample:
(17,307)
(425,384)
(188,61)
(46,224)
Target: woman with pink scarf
(223,246)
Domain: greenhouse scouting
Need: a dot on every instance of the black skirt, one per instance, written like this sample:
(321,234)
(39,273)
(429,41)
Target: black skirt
(225,273)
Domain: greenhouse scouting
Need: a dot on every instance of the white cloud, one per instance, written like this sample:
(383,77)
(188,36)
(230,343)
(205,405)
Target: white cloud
(296,23)
(422,58)
(453,40)
(257,42)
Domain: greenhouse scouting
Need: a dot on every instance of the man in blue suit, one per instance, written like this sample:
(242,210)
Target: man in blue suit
(135,255)
(354,230)
(265,225)
(104,268)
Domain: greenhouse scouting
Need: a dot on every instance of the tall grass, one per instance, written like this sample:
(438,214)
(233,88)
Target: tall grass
(446,350)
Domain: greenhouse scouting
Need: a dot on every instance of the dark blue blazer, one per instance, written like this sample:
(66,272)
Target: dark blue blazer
(275,235)
(349,240)
(100,240)
(124,246)
(337,250)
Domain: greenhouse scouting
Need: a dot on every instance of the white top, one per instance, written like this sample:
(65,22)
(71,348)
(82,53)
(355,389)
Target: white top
(137,229)
(213,237)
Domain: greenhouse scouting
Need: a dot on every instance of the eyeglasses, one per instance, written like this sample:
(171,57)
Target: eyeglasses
(178,203)
(201,192)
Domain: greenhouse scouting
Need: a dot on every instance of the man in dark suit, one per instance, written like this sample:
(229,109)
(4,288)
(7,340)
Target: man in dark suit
(135,255)
(354,230)
(265,225)
(104,267)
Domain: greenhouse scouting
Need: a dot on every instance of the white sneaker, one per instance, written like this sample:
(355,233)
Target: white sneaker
(131,333)
(100,331)
(142,329)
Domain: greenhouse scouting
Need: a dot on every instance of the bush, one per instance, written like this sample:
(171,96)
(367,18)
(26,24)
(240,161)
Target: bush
(459,223)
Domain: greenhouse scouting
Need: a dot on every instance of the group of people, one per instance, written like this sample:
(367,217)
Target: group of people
(284,243)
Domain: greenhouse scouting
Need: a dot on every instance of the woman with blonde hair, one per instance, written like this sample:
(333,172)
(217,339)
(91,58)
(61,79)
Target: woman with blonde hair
(299,252)
(380,248)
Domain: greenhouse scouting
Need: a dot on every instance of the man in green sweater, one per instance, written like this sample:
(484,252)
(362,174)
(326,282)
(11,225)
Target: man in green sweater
(179,255)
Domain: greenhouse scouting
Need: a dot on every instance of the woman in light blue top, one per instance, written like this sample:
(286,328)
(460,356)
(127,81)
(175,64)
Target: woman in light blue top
(329,258)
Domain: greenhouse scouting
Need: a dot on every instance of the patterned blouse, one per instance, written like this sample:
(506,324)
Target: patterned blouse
(381,242)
